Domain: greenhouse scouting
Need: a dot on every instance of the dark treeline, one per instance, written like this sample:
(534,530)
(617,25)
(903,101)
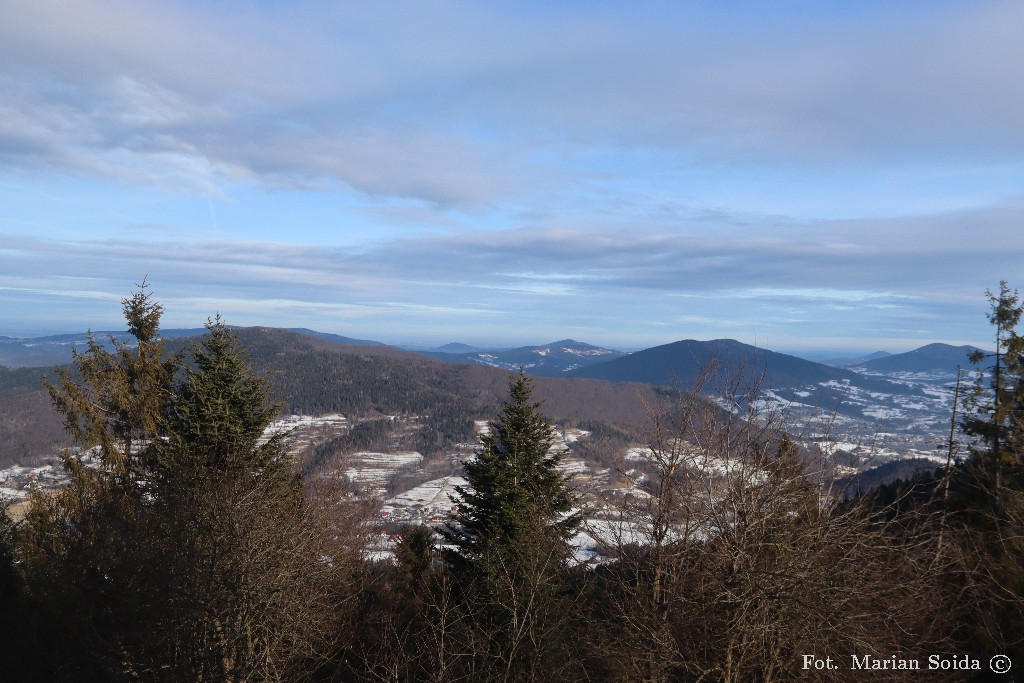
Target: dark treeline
(196,551)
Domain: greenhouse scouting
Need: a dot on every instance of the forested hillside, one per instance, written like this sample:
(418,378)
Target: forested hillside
(30,429)
(313,376)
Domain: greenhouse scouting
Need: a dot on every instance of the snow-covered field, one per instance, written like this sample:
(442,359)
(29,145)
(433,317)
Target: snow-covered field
(906,424)
(371,471)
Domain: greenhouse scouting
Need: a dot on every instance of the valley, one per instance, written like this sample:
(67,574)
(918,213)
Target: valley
(397,424)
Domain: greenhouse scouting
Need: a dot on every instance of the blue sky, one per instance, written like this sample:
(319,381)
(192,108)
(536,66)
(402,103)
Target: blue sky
(806,175)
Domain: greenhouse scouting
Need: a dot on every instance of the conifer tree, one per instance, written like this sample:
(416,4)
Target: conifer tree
(244,570)
(514,522)
(218,414)
(119,402)
(83,549)
(995,410)
(989,488)
(189,552)
(516,493)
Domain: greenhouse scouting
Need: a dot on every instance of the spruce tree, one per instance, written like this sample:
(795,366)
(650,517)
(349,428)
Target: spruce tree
(515,518)
(516,493)
(188,552)
(119,401)
(995,411)
(84,550)
(245,572)
(988,489)
(219,412)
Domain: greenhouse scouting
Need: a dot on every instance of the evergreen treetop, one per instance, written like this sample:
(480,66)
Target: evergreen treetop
(120,401)
(219,412)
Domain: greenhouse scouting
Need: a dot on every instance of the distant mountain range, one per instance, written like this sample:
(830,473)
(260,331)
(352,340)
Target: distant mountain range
(681,363)
(676,364)
(456,347)
(548,360)
(902,400)
(855,361)
(56,349)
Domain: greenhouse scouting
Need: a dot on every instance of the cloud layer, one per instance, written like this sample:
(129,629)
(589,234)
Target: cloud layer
(455,170)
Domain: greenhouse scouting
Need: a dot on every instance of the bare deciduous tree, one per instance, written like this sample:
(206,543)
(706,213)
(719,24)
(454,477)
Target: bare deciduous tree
(733,560)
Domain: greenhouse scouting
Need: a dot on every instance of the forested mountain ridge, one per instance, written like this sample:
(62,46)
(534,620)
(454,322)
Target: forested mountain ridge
(313,376)
(336,338)
(56,349)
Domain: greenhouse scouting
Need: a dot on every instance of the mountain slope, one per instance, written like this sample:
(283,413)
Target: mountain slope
(682,362)
(787,377)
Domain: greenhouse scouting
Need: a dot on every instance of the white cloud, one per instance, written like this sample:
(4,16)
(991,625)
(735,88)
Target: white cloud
(503,156)
(451,103)
(629,280)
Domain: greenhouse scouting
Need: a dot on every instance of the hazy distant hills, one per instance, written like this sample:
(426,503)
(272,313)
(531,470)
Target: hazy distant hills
(854,362)
(56,349)
(678,362)
(456,347)
(548,360)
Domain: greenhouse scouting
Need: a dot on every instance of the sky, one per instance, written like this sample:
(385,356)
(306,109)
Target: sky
(801,175)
